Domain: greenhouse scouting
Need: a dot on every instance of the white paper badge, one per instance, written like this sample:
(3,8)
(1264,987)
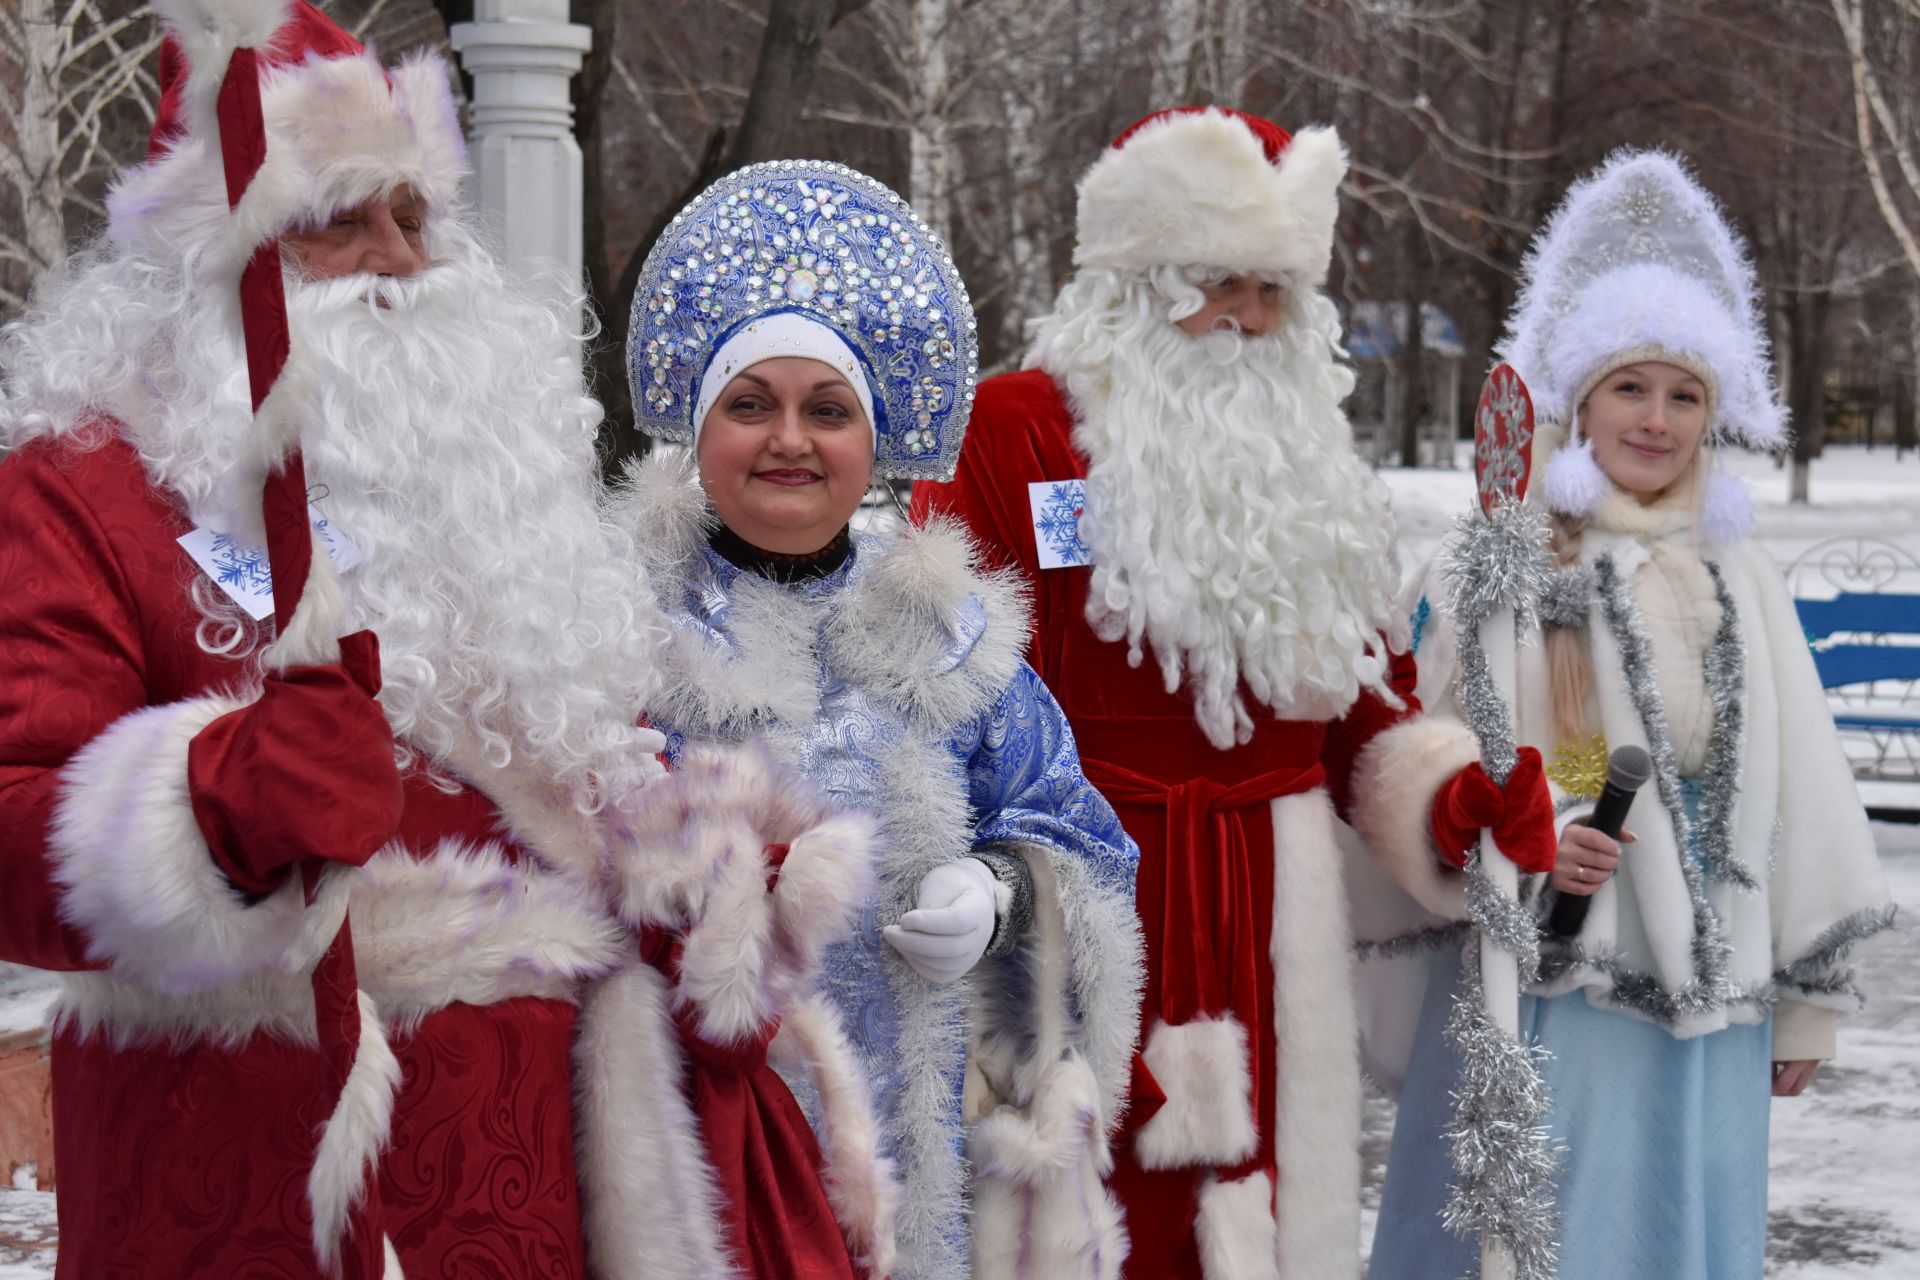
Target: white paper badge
(1057,508)
(240,569)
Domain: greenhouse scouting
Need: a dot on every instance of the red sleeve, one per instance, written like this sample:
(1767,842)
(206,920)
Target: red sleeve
(70,665)
(1370,716)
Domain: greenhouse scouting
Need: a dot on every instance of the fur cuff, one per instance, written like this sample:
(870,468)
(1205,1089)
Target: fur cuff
(1039,1206)
(139,879)
(1393,788)
(1208,1116)
(694,861)
(1235,1228)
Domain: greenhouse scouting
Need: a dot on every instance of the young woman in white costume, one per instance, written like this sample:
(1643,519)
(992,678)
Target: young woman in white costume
(804,333)
(1713,961)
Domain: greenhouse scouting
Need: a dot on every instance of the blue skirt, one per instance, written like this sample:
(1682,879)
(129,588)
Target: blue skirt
(1665,1170)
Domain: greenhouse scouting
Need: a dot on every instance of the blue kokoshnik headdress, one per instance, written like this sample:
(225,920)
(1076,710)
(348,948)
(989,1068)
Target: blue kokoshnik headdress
(827,243)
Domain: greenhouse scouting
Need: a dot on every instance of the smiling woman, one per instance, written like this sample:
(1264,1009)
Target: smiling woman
(805,332)
(1646,422)
(786,454)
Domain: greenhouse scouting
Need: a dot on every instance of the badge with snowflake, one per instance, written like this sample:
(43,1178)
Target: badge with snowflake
(1057,508)
(241,570)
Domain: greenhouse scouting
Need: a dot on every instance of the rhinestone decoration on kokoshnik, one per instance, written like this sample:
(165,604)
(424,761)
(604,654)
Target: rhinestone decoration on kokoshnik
(831,243)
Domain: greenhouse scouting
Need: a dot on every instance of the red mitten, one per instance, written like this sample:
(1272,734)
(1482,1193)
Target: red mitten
(307,771)
(1521,818)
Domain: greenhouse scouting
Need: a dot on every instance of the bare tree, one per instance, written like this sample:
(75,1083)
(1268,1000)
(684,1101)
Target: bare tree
(1887,128)
(84,97)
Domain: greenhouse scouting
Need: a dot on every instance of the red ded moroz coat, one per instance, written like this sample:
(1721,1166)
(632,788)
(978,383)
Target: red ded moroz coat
(190,1106)
(1239,1153)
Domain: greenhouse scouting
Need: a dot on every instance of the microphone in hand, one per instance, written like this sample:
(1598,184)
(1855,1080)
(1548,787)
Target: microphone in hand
(1628,769)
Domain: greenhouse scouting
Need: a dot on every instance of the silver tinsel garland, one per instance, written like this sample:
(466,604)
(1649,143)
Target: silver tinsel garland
(1726,678)
(1493,564)
(1513,928)
(1707,990)
(1818,972)
(1413,942)
(1498,1138)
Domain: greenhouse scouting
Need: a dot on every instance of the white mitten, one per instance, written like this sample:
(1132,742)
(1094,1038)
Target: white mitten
(952,922)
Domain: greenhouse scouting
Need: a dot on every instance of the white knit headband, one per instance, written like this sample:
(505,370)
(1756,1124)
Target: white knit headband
(783,333)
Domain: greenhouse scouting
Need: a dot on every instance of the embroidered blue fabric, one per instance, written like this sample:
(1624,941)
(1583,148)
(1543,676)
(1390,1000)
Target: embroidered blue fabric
(1022,779)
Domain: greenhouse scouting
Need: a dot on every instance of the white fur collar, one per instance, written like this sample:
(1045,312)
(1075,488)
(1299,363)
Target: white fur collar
(918,625)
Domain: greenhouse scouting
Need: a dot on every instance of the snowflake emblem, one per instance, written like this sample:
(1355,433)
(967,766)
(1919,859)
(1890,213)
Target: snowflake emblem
(241,566)
(1580,770)
(1057,522)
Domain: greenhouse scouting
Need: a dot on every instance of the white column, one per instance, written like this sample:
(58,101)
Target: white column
(522,54)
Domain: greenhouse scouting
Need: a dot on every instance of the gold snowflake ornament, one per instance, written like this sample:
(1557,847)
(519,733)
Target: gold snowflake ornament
(1580,770)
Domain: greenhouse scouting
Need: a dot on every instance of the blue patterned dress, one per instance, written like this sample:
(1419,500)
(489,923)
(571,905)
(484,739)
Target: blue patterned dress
(896,685)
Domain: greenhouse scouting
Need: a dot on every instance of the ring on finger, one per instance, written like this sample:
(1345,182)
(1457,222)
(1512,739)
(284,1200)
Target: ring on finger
(1581,871)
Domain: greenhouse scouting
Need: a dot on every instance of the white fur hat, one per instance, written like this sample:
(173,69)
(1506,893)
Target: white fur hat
(340,129)
(1639,263)
(1217,188)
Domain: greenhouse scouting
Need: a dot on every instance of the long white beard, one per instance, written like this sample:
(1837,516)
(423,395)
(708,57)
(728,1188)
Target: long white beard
(1231,524)
(449,436)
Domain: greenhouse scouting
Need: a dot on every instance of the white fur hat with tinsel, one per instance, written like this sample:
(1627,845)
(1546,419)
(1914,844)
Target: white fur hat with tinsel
(1639,263)
(339,128)
(1213,187)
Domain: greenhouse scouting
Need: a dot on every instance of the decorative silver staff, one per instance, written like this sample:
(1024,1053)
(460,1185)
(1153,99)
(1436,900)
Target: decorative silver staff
(1497,568)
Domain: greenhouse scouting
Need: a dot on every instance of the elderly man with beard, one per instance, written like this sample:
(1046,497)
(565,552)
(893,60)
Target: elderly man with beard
(1173,473)
(166,774)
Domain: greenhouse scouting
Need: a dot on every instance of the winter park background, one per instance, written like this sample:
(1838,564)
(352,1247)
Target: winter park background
(1465,120)
(1846,1157)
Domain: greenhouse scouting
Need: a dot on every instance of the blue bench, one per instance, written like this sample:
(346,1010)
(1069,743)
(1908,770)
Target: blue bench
(1866,646)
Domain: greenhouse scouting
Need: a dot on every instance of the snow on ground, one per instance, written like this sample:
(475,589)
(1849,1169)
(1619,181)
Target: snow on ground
(1845,1158)
(26,996)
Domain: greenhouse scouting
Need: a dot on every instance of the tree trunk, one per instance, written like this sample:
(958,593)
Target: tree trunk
(1029,264)
(607,359)
(1412,387)
(43,194)
(1806,384)
(1173,68)
(1907,389)
(930,131)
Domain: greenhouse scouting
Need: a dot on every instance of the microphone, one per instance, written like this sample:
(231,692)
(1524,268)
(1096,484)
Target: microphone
(1628,769)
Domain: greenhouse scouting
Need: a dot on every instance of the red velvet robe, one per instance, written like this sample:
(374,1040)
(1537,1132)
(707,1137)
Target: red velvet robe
(1205,822)
(181,1155)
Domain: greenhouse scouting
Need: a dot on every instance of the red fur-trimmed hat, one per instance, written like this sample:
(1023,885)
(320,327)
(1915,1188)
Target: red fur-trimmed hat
(1214,187)
(340,129)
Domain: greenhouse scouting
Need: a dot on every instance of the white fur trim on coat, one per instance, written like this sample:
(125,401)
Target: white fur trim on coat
(860,1181)
(1039,1206)
(1043,1093)
(693,859)
(1394,782)
(1195,189)
(1317,1110)
(139,880)
(463,925)
(648,1201)
(1235,1229)
(1208,1116)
